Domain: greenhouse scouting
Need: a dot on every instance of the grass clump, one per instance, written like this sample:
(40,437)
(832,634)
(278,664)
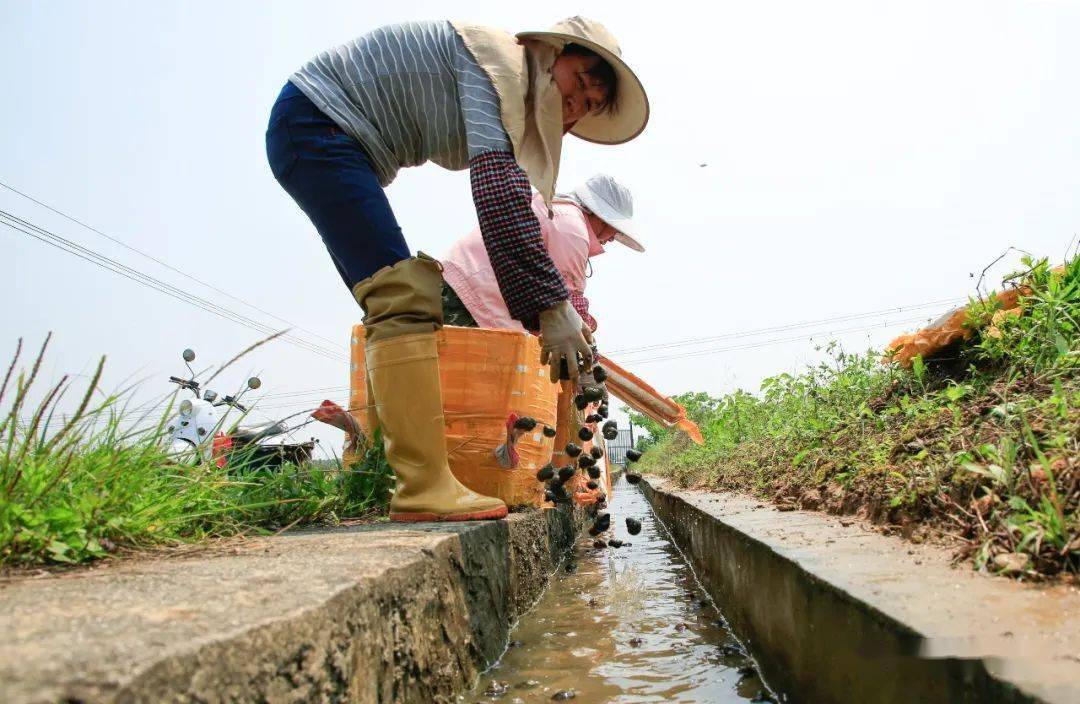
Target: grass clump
(981,445)
(83,486)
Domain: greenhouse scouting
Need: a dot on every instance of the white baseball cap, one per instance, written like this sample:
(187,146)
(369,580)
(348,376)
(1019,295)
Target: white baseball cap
(611,201)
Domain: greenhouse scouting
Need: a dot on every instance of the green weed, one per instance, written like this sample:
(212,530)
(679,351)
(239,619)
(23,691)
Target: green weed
(81,487)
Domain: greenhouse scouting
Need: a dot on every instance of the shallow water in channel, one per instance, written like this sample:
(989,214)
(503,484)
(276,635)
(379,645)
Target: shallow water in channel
(628,624)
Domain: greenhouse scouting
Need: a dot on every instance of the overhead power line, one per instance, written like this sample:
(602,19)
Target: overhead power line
(165,264)
(787,327)
(306,396)
(41,234)
(769,343)
(305,392)
(311,401)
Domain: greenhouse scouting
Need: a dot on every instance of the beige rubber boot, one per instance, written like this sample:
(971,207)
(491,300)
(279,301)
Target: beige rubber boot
(403,309)
(404,373)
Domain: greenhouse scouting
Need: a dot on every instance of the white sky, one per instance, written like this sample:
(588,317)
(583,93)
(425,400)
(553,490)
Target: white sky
(860,156)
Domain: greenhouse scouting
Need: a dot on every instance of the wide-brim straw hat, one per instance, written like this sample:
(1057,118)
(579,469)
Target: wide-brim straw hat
(613,203)
(631,112)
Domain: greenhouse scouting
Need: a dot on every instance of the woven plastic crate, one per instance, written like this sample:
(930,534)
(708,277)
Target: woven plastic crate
(486,375)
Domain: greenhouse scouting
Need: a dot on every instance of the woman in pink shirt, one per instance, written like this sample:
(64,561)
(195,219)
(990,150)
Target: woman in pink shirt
(581,223)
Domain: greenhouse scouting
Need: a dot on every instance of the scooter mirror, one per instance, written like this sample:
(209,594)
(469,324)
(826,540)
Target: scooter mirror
(209,395)
(189,355)
(254,382)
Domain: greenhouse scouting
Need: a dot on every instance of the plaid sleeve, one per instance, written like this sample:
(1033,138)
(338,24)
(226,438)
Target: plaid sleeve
(581,305)
(527,278)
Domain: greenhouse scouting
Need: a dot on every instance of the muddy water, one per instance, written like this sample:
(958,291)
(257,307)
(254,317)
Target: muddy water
(628,624)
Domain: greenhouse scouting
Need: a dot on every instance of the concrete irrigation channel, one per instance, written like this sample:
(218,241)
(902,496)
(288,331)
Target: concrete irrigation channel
(835,612)
(718,599)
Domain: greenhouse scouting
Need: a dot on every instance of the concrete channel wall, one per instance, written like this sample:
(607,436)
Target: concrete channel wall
(838,613)
(371,614)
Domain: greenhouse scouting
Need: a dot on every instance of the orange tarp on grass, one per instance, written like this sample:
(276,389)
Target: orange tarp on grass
(953,327)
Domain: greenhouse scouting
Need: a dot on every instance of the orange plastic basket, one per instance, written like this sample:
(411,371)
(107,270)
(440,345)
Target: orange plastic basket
(486,375)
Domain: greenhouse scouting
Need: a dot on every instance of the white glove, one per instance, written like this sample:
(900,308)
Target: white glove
(563,335)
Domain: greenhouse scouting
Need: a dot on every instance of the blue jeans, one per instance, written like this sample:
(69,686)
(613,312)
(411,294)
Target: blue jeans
(330,177)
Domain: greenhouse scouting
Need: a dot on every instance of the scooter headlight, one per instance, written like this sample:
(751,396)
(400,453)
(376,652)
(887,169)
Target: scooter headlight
(186,406)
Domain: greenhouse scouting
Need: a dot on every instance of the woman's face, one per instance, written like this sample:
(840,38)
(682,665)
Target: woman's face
(581,93)
(604,232)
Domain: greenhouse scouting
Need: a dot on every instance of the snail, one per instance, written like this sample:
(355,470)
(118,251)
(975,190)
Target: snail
(525,423)
(592,394)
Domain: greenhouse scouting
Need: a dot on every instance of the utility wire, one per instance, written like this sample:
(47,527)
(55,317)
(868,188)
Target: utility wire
(165,264)
(307,396)
(310,402)
(784,328)
(305,392)
(41,234)
(768,343)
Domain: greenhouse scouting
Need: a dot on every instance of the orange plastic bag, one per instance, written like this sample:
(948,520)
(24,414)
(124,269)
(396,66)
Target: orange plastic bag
(953,327)
(486,375)
(945,331)
(648,401)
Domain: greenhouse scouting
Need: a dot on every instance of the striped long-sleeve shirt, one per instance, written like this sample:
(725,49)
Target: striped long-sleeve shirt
(411,93)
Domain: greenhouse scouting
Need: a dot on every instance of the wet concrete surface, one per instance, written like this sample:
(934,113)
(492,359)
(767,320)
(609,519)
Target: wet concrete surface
(628,624)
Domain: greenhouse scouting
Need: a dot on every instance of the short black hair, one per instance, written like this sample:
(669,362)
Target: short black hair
(601,71)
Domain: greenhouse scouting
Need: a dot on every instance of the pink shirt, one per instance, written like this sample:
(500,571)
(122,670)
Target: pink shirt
(569,240)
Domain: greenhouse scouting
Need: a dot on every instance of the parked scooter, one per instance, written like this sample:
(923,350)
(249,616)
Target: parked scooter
(196,433)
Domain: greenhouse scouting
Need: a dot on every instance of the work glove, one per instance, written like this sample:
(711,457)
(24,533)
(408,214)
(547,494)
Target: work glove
(563,335)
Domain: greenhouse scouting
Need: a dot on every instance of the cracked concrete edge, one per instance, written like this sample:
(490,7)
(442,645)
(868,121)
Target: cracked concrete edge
(838,613)
(418,632)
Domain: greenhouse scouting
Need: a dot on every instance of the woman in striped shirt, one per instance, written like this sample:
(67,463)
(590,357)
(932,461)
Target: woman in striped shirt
(463,96)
